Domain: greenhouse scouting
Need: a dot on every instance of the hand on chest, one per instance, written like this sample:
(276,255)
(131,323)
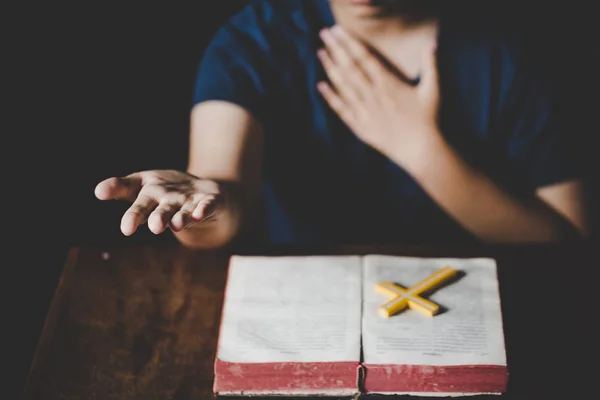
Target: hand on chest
(370,88)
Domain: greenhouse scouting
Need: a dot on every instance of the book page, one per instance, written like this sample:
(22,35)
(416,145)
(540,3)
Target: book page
(468,330)
(292,309)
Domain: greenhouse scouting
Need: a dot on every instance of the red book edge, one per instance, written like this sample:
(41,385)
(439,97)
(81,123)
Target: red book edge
(472,379)
(261,378)
(298,378)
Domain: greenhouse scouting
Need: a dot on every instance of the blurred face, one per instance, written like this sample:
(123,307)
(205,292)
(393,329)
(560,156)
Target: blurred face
(409,10)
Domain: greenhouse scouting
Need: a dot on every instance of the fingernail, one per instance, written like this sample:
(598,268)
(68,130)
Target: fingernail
(325,34)
(197,213)
(201,208)
(338,30)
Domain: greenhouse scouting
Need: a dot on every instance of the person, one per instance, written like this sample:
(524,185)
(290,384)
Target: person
(364,121)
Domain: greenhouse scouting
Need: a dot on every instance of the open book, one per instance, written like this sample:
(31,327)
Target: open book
(297,326)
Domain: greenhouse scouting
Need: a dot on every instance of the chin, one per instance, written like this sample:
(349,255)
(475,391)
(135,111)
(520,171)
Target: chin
(411,10)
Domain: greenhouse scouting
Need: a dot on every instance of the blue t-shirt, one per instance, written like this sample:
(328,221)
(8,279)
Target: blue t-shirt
(322,185)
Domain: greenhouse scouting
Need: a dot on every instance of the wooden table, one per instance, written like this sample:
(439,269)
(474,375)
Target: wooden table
(141,322)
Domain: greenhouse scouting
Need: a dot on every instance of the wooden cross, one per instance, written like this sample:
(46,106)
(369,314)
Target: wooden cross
(402,298)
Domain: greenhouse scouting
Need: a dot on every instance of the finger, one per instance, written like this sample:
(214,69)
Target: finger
(335,102)
(126,188)
(355,49)
(346,86)
(137,214)
(339,54)
(360,56)
(206,208)
(161,217)
(183,217)
(362,59)
(352,83)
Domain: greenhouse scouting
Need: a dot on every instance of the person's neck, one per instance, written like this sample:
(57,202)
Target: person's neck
(373,28)
(399,42)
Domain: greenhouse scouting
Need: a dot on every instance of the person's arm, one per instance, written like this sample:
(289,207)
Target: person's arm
(217,198)
(556,213)
(230,94)
(225,147)
(209,205)
(401,123)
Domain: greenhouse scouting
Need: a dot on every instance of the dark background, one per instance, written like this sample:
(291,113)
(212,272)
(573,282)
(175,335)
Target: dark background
(104,89)
(107,89)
